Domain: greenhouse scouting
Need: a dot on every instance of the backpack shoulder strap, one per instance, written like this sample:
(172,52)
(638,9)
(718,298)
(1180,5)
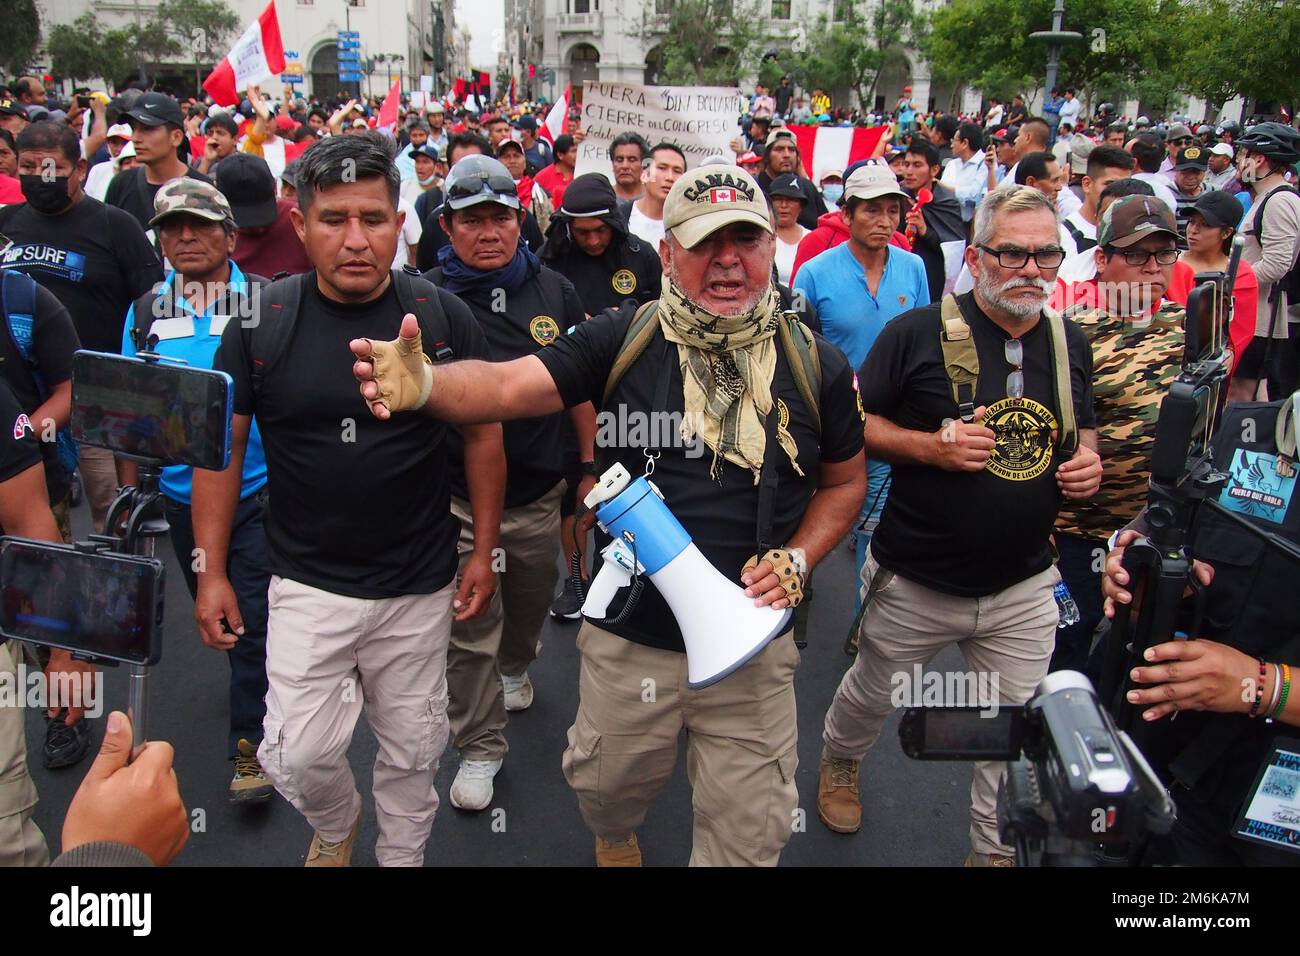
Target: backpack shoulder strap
(269,337)
(1068,436)
(20,311)
(960,360)
(805,363)
(419,297)
(640,333)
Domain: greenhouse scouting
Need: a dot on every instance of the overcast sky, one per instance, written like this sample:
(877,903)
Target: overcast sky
(485,21)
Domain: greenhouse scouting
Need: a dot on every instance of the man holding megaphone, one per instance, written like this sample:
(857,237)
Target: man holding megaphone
(755,445)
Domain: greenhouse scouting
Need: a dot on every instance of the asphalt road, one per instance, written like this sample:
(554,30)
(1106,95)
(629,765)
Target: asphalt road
(915,814)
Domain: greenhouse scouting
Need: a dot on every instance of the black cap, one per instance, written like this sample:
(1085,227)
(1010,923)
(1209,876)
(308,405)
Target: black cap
(425,150)
(1219,209)
(156,109)
(13,108)
(246,181)
(1192,157)
(787,184)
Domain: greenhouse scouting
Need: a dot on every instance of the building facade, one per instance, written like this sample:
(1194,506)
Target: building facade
(400,39)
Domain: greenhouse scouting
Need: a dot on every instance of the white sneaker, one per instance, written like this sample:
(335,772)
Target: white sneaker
(472,788)
(519,692)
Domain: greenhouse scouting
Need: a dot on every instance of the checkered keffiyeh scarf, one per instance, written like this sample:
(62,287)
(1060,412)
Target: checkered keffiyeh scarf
(727,367)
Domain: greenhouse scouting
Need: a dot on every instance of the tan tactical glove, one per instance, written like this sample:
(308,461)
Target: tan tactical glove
(403,373)
(783,565)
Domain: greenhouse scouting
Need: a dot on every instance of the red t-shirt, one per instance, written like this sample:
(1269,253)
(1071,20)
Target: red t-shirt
(277,249)
(1245,296)
(11,191)
(554,182)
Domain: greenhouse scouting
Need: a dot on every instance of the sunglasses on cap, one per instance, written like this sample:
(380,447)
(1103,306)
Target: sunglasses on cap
(474,184)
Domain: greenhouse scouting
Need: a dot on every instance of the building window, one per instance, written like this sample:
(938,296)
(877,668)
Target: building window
(841,9)
(581,6)
(780,9)
(663,7)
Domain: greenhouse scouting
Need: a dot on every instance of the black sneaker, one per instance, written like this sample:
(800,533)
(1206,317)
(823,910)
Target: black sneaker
(568,606)
(64,745)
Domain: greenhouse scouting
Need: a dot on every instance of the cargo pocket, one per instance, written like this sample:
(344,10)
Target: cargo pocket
(581,761)
(271,756)
(434,732)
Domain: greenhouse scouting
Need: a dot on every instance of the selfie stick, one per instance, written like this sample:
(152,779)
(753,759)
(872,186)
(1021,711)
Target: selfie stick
(144,524)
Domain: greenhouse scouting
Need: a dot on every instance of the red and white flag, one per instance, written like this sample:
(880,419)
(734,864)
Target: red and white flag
(256,56)
(388,111)
(557,120)
(833,147)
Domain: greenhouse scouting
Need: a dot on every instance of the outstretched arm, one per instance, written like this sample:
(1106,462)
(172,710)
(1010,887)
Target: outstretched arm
(395,376)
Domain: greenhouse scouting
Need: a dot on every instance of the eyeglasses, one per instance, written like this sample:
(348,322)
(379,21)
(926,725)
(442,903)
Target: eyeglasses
(1047,259)
(1140,257)
(1014,353)
(474,184)
(1183,140)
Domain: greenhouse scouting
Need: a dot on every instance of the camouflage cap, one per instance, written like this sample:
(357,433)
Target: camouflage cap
(1130,219)
(193,197)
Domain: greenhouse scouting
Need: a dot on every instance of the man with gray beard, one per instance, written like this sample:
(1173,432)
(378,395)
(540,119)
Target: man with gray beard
(982,460)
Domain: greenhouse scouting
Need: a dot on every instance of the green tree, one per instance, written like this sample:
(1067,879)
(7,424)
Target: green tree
(852,52)
(20,37)
(204,28)
(76,49)
(704,42)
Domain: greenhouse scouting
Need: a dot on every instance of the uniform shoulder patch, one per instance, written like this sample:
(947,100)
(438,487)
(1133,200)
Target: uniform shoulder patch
(544,329)
(624,281)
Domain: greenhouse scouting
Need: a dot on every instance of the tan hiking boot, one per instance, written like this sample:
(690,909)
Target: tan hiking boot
(618,854)
(324,853)
(250,784)
(989,859)
(838,803)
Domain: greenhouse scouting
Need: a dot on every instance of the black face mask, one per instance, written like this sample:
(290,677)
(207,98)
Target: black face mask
(47,196)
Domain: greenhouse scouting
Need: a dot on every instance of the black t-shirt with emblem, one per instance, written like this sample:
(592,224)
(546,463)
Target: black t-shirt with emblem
(19,447)
(720,515)
(628,269)
(358,506)
(963,533)
(516,324)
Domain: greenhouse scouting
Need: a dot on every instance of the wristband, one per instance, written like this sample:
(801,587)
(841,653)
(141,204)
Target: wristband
(1259,689)
(589,468)
(1277,689)
(1286,690)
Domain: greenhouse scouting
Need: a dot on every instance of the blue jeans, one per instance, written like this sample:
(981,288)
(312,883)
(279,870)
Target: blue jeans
(248,567)
(872,505)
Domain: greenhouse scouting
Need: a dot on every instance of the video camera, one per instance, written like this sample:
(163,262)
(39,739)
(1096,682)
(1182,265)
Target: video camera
(102,599)
(1074,785)
(1182,478)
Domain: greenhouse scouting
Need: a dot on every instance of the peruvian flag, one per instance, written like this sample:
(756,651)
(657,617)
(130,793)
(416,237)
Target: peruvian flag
(832,147)
(557,120)
(388,111)
(256,56)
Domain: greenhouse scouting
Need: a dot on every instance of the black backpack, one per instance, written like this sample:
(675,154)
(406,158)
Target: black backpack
(154,305)
(267,341)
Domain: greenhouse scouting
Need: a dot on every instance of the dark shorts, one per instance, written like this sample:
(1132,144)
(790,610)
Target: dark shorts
(1251,363)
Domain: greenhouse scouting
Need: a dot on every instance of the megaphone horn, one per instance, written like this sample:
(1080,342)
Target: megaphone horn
(721,627)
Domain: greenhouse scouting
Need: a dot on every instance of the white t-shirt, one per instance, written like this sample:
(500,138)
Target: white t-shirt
(409,237)
(1070,111)
(1067,204)
(785,253)
(1161,186)
(1086,229)
(642,226)
(994,117)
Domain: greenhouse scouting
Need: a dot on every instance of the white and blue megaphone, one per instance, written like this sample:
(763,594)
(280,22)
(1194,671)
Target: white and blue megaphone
(721,627)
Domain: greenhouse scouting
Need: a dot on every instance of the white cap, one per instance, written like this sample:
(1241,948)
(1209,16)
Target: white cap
(1221,149)
(119,130)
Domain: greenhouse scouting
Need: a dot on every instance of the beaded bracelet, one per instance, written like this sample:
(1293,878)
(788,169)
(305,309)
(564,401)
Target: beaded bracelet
(1286,689)
(1277,688)
(1259,689)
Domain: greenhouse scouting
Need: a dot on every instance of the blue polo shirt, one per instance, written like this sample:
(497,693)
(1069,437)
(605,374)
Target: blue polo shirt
(836,284)
(195,342)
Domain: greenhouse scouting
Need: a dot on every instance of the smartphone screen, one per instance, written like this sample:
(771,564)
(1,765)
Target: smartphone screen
(152,411)
(108,605)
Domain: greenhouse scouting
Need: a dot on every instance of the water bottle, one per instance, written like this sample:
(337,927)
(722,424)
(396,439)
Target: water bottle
(1069,611)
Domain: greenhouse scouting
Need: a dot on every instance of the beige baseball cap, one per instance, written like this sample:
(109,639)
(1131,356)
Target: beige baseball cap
(707,198)
(872,181)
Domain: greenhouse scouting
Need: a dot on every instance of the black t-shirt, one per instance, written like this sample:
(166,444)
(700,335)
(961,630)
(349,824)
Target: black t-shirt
(628,269)
(720,515)
(358,507)
(131,191)
(19,446)
(94,258)
(54,339)
(963,533)
(536,314)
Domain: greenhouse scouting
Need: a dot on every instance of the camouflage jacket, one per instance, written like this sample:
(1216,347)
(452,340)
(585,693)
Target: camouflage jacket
(1131,372)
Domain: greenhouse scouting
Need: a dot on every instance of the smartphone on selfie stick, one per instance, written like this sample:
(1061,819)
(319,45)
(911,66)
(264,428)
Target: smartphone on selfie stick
(102,599)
